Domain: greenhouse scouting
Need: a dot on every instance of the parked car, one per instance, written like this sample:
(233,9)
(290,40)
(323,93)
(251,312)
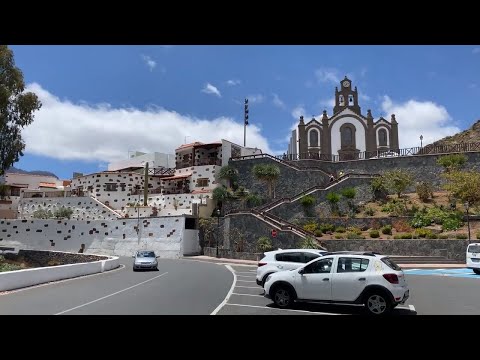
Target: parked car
(279,260)
(350,278)
(473,257)
(145,259)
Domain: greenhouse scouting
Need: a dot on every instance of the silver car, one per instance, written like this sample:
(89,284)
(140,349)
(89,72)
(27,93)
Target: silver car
(145,259)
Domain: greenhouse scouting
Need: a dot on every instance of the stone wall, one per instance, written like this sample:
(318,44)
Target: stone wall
(289,211)
(228,254)
(290,182)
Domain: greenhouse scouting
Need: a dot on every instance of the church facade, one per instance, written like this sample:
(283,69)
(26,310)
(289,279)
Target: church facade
(347,134)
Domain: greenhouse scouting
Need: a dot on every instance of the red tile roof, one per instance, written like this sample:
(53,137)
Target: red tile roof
(47,185)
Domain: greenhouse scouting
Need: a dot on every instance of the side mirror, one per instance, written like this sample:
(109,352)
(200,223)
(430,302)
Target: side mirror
(157,256)
(301,271)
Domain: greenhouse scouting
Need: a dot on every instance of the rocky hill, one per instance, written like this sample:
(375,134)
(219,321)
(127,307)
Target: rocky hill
(471,135)
(35,172)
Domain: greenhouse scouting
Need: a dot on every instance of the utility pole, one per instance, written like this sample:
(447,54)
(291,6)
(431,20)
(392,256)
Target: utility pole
(245,123)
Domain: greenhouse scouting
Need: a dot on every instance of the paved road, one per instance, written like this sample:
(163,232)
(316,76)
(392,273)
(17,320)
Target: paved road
(180,287)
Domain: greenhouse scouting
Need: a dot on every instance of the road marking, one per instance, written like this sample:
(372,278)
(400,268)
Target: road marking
(249,287)
(247,294)
(7,292)
(268,308)
(115,293)
(244,272)
(438,269)
(245,276)
(222,304)
(246,281)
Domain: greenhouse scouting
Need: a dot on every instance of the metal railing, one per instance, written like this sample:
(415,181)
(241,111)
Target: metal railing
(380,154)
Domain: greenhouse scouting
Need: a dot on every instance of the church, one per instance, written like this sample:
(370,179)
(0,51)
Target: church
(347,134)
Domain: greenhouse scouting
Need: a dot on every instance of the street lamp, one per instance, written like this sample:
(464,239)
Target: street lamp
(468,220)
(217,212)
(421,140)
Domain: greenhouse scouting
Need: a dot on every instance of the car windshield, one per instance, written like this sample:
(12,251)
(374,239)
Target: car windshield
(474,249)
(391,264)
(145,254)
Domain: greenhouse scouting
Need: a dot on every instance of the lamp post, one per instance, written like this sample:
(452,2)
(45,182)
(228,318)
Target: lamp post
(217,212)
(421,140)
(468,219)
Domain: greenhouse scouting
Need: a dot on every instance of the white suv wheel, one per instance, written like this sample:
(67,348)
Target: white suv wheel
(282,297)
(376,304)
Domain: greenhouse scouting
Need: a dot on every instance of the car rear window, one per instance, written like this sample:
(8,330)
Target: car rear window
(474,249)
(391,264)
(290,257)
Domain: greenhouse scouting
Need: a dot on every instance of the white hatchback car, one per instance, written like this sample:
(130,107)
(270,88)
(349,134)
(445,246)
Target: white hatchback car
(473,257)
(280,260)
(345,277)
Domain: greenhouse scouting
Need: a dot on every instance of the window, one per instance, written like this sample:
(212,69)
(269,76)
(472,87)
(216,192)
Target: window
(348,264)
(290,257)
(307,257)
(347,136)
(202,182)
(350,100)
(474,249)
(382,137)
(110,187)
(314,138)
(391,264)
(341,100)
(320,267)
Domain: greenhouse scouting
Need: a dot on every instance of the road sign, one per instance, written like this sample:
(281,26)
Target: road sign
(274,233)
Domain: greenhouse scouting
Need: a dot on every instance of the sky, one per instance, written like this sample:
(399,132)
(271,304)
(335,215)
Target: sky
(102,102)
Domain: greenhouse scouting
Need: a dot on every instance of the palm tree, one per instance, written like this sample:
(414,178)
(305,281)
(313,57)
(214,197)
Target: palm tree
(242,194)
(220,195)
(228,173)
(267,173)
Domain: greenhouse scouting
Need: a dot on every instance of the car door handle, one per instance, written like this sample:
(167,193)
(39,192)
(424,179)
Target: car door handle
(362,279)
(326,279)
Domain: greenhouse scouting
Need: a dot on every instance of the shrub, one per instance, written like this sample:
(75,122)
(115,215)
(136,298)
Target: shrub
(264,244)
(424,191)
(42,214)
(387,230)
(396,237)
(369,211)
(311,227)
(452,222)
(423,233)
(354,236)
(401,226)
(443,236)
(307,200)
(374,234)
(477,235)
(452,161)
(461,236)
(333,198)
(63,212)
(318,233)
(340,229)
(309,243)
(339,236)
(406,236)
(432,236)
(354,229)
(327,228)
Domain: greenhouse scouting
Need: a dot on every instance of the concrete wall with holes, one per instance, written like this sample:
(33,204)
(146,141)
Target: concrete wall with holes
(84,208)
(165,235)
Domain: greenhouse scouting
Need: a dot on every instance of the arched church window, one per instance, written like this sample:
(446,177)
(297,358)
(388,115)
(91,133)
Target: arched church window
(341,100)
(350,99)
(314,138)
(382,137)
(347,136)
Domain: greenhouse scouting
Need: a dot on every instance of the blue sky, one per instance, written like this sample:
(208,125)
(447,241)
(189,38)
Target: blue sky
(99,102)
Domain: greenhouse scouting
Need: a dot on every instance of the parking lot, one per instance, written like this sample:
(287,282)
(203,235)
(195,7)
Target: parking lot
(246,298)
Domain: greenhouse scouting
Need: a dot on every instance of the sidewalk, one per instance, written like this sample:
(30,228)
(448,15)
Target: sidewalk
(254,263)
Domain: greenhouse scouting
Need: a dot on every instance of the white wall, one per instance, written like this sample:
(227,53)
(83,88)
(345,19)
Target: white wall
(107,237)
(191,243)
(155,159)
(84,208)
(359,134)
(200,172)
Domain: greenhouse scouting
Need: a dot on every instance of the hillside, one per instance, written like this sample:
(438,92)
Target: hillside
(470,135)
(35,172)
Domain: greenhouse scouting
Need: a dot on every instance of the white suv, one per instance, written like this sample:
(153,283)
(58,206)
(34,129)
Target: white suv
(280,260)
(473,257)
(344,277)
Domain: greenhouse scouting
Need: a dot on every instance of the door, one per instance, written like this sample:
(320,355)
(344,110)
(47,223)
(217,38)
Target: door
(349,279)
(315,282)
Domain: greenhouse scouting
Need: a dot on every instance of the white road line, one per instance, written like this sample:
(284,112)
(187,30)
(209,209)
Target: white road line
(410,270)
(246,281)
(244,272)
(222,304)
(7,292)
(438,269)
(115,293)
(247,294)
(268,308)
(245,276)
(249,287)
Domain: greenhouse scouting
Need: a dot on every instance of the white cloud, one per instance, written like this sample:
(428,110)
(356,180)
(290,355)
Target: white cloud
(330,103)
(278,102)
(298,111)
(210,89)
(417,118)
(476,50)
(233,82)
(327,75)
(77,131)
(364,97)
(149,62)
(257,98)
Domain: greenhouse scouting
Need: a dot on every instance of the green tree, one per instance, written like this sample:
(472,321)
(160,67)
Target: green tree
(264,244)
(254,200)
(241,194)
(349,194)
(16,109)
(230,174)
(464,185)
(452,162)
(267,173)
(307,201)
(309,243)
(333,198)
(220,195)
(397,181)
